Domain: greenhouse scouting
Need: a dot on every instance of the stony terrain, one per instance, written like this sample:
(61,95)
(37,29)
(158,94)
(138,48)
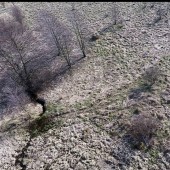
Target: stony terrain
(89,109)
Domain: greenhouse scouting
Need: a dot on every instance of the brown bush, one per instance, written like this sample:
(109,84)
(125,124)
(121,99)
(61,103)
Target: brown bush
(142,129)
(151,75)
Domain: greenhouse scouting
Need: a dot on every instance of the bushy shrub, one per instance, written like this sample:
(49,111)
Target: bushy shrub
(142,129)
(151,75)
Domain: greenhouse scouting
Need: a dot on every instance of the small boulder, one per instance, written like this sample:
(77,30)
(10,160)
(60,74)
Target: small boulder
(95,37)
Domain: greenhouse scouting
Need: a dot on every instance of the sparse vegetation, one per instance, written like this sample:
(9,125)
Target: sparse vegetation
(154,156)
(46,121)
(43,124)
(146,82)
(87,110)
(55,108)
(28,54)
(83,105)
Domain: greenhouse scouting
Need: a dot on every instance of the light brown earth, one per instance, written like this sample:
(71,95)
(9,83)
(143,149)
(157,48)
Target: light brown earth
(90,107)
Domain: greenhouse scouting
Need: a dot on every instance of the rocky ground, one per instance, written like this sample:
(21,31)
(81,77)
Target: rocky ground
(89,110)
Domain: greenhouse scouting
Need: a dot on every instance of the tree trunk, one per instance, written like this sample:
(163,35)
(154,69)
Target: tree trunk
(84,55)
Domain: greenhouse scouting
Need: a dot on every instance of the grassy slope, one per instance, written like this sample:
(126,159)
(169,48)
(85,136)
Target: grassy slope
(95,99)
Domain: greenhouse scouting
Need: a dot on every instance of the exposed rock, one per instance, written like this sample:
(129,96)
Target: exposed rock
(95,37)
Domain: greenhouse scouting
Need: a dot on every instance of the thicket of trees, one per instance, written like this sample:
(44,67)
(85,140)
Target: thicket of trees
(28,55)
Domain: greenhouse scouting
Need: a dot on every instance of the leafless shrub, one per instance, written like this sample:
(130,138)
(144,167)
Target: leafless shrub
(56,34)
(142,129)
(151,75)
(80,28)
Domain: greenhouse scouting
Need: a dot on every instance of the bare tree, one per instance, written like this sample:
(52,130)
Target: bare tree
(56,34)
(25,56)
(80,28)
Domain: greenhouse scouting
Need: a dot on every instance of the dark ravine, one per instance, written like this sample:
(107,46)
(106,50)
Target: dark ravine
(42,102)
(20,158)
(34,98)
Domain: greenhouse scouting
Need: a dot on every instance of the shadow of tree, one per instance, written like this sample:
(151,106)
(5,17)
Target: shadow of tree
(135,93)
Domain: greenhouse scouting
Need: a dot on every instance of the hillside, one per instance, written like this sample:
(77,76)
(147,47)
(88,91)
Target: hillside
(90,107)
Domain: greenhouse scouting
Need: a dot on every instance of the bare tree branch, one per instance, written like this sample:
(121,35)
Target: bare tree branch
(56,34)
(80,28)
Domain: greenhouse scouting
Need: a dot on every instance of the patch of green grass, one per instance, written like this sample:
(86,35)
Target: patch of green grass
(78,106)
(154,154)
(43,124)
(88,103)
(119,26)
(54,108)
(102,51)
(162,134)
(112,116)
(141,82)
